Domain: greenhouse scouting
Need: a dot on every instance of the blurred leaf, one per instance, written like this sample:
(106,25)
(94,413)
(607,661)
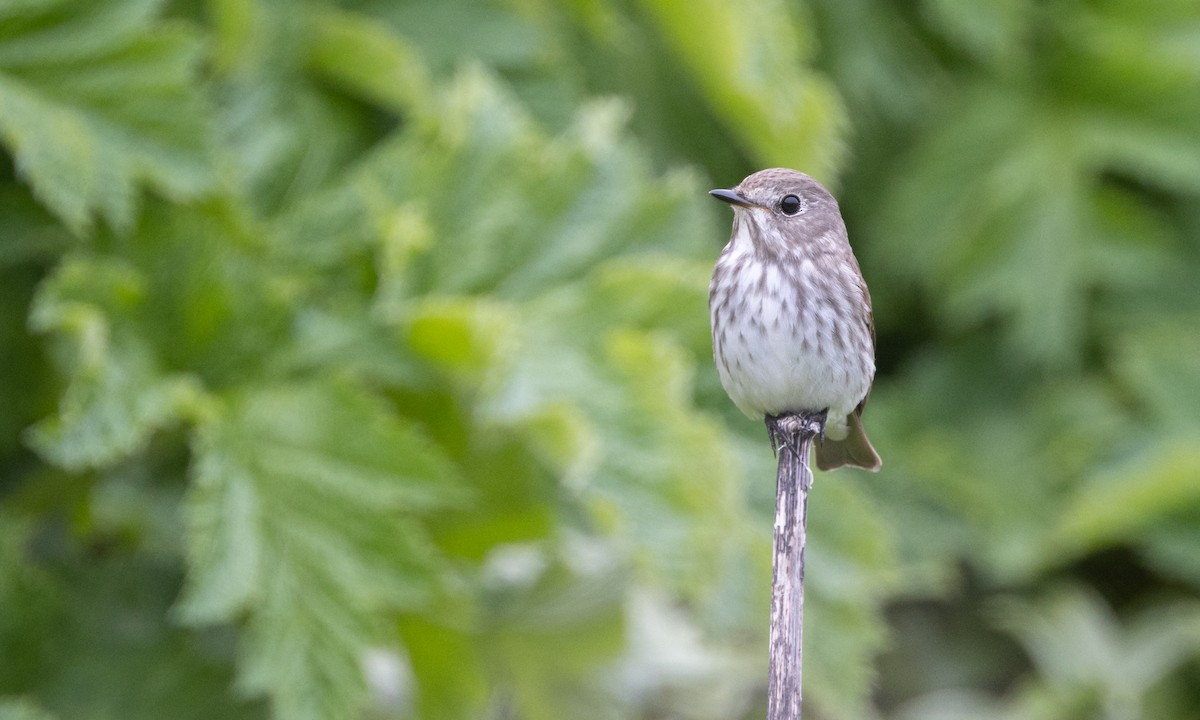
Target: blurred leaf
(1128,501)
(996,32)
(206,296)
(183,298)
(450,35)
(1160,362)
(26,383)
(549,629)
(849,568)
(495,224)
(1173,546)
(1150,497)
(985,458)
(116,396)
(30,233)
(880,65)
(1081,648)
(468,339)
(1133,69)
(364,56)
(97,98)
(311,486)
(450,677)
(285,76)
(747,61)
(93,639)
(1008,210)
(1027,238)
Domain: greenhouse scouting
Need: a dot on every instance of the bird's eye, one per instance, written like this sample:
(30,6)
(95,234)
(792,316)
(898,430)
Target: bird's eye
(792,205)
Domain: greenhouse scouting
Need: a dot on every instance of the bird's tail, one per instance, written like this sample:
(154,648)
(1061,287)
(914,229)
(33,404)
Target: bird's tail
(854,450)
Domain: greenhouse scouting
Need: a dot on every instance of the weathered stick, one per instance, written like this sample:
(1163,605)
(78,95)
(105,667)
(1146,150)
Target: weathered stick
(794,435)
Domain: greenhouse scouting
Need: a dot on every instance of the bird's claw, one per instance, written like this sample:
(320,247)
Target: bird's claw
(786,429)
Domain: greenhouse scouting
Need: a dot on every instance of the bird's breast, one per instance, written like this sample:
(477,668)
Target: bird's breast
(784,337)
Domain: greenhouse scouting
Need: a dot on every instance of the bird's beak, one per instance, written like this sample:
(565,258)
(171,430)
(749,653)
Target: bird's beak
(730,197)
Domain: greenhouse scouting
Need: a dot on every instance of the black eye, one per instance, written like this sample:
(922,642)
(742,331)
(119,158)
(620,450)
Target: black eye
(792,205)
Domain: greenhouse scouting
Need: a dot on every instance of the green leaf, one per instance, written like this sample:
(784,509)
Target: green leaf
(1159,360)
(451,35)
(30,233)
(189,295)
(987,461)
(880,65)
(1083,650)
(364,56)
(997,32)
(88,635)
(748,62)
(469,339)
(1128,501)
(116,397)
(96,98)
(312,486)
(287,74)
(448,669)
(1016,204)
(551,630)
(1133,69)
(520,234)
(850,567)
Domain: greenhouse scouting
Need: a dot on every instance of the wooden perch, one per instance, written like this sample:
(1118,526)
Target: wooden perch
(793,435)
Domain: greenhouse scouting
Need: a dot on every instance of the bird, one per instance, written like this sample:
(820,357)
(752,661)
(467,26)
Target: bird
(792,325)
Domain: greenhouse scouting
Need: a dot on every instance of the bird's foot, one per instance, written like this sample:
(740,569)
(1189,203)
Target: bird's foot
(787,428)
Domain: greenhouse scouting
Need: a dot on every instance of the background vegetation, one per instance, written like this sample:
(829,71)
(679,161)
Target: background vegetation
(354,358)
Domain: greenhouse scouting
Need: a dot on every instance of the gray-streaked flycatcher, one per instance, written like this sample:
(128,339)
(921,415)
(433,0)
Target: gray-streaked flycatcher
(791,316)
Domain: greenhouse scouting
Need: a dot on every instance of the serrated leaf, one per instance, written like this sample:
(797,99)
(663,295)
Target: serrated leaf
(520,233)
(652,467)
(96,98)
(592,364)
(116,395)
(1028,238)
(314,486)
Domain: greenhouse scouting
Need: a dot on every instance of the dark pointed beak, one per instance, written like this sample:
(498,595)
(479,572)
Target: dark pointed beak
(730,197)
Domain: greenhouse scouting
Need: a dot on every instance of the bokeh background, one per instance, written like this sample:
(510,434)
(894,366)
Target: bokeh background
(354,358)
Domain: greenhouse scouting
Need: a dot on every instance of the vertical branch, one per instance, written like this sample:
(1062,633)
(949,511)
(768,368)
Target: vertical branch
(795,434)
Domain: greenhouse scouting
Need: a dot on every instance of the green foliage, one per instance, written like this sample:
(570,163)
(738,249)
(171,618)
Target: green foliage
(354,358)
(98,98)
